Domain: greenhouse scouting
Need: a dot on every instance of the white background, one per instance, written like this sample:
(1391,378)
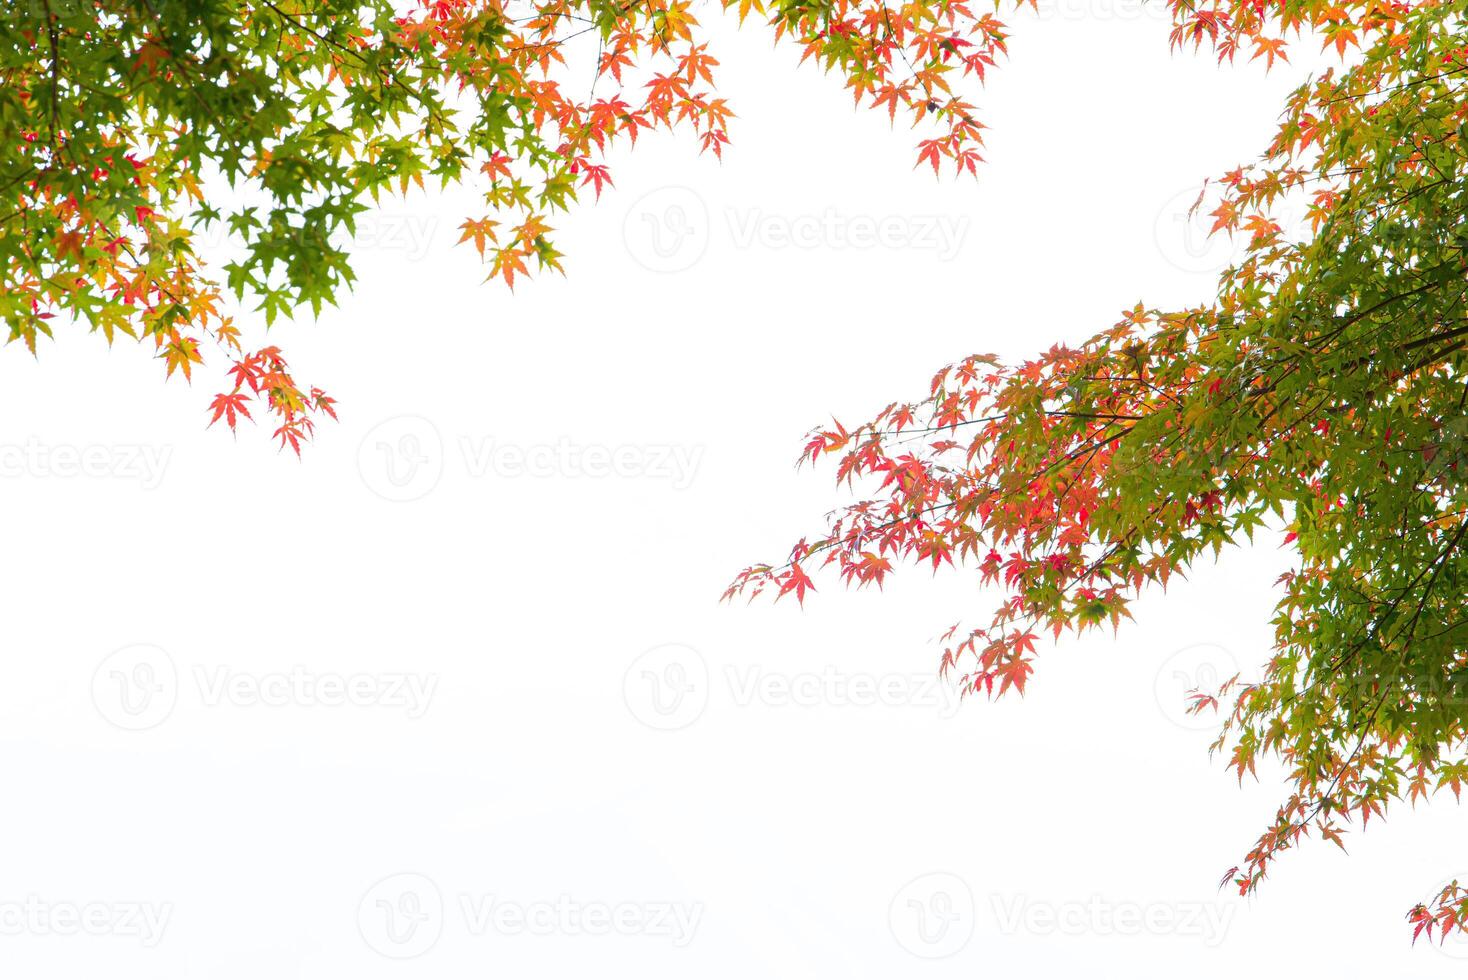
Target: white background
(595,739)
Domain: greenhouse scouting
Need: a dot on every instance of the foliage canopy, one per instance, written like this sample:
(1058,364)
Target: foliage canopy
(1323,392)
(1323,389)
(118,114)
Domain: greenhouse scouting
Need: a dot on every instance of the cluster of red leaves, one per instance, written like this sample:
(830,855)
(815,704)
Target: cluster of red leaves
(1447,914)
(654,73)
(530,79)
(263,374)
(1011,477)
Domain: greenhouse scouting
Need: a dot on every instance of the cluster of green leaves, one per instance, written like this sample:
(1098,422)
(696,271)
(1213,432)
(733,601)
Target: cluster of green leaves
(117,114)
(131,105)
(125,120)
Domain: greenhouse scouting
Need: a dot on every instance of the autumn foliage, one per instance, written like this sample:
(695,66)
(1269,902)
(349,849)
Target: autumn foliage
(124,119)
(1322,393)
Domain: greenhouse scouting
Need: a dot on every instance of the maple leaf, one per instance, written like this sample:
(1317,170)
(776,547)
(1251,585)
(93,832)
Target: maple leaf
(1269,49)
(181,353)
(322,401)
(150,56)
(597,176)
(797,581)
(292,433)
(228,406)
(930,151)
(479,232)
(1014,673)
(508,262)
(69,243)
